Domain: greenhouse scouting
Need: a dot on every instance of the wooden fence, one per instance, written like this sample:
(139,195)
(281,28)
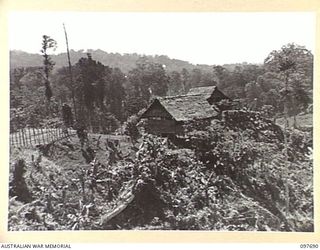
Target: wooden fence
(34,136)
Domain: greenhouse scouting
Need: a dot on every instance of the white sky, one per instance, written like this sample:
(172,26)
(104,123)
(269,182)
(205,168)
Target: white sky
(200,38)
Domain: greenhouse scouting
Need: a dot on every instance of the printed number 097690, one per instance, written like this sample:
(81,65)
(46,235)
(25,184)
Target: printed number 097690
(308,245)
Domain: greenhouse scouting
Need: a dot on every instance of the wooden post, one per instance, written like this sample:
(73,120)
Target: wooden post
(25,133)
(19,137)
(25,130)
(42,135)
(30,136)
(56,134)
(37,133)
(26,136)
(15,139)
(48,135)
(53,134)
(34,135)
(22,135)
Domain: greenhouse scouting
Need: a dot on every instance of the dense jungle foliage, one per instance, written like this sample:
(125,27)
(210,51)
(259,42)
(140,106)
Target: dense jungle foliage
(241,172)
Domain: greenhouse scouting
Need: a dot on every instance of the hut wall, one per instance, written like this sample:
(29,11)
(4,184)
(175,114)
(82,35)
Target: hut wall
(163,127)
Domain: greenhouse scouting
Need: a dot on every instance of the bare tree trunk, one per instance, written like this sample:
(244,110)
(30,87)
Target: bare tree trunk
(70,73)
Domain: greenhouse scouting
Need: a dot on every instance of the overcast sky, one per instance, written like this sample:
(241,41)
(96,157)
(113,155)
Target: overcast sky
(200,38)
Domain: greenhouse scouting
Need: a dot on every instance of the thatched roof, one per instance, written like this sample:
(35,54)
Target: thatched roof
(195,105)
(206,91)
(188,107)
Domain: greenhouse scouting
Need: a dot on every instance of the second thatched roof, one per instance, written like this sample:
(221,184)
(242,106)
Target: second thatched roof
(185,107)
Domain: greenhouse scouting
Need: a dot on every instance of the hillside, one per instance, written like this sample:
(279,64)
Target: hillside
(125,62)
(232,171)
(229,176)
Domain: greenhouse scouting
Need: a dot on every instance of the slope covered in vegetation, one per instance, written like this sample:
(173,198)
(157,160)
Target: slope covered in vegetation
(228,176)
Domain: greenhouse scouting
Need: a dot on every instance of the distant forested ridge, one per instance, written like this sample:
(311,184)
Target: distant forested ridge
(125,62)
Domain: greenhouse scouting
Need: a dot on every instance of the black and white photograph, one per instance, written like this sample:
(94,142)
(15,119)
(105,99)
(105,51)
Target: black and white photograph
(195,121)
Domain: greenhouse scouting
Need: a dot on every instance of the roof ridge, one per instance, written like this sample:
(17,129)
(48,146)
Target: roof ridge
(211,86)
(175,96)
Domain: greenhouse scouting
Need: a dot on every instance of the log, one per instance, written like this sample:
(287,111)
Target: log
(125,198)
(117,210)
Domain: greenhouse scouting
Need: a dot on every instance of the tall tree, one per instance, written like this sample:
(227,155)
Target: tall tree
(195,78)
(185,77)
(47,44)
(208,79)
(292,63)
(148,79)
(116,93)
(252,90)
(89,75)
(175,83)
(288,62)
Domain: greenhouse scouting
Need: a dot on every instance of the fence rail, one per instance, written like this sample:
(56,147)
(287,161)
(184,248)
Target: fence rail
(35,136)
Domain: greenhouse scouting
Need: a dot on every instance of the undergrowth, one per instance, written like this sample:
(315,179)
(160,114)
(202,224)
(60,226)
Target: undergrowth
(223,177)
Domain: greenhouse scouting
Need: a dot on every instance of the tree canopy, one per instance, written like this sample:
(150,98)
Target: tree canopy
(104,91)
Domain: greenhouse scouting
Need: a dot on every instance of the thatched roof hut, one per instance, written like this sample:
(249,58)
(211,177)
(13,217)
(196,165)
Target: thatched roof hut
(166,115)
(181,108)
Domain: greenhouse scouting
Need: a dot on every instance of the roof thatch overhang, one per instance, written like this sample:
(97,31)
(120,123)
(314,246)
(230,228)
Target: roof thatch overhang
(184,108)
